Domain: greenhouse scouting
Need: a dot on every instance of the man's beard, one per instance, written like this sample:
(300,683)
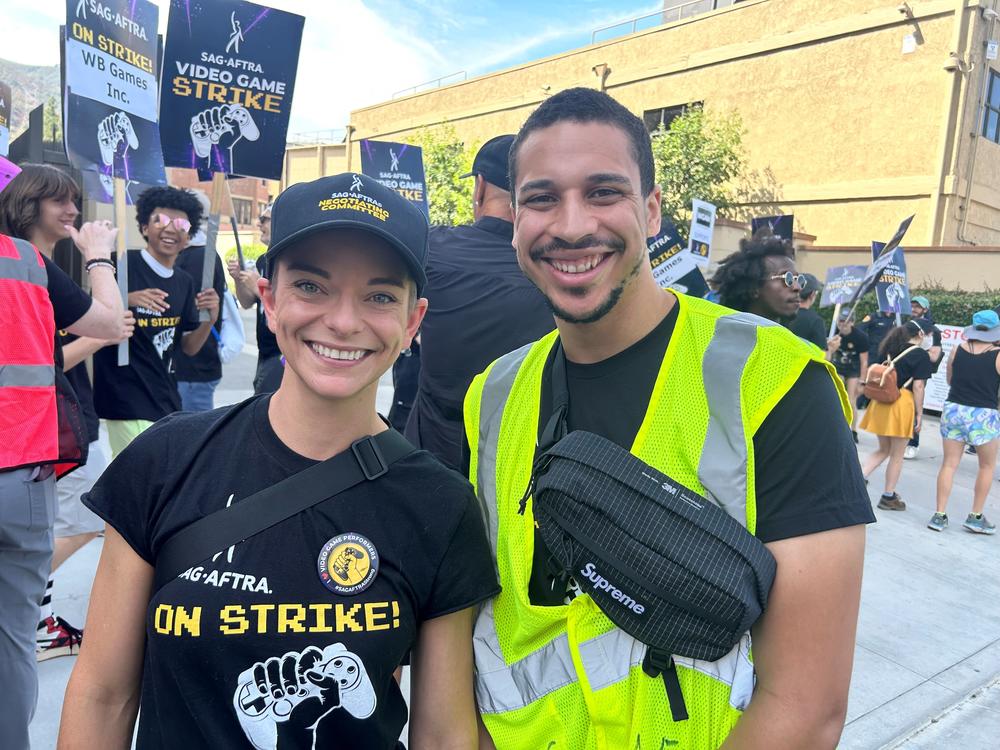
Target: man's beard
(599,312)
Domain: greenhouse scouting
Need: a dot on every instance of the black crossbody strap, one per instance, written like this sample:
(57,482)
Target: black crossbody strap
(367,459)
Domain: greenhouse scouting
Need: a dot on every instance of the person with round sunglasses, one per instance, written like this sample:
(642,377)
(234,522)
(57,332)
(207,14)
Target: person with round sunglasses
(970,417)
(761,279)
(166,305)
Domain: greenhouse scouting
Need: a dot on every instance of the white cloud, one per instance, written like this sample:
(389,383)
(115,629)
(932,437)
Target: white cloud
(356,54)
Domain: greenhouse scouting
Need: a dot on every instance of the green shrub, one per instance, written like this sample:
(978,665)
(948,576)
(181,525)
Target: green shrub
(953,307)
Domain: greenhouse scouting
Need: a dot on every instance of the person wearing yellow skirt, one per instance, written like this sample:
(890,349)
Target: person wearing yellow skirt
(894,424)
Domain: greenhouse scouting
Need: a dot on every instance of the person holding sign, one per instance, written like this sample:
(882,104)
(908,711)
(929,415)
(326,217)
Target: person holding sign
(288,636)
(649,370)
(848,351)
(761,279)
(970,417)
(894,423)
(165,303)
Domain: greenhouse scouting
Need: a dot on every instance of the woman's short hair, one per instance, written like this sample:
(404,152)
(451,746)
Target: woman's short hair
(21,200)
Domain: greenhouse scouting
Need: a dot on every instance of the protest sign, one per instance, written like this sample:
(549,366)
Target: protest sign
(672,266)
(841,281)
(892,289)
(100,187)
(110,70)
(5,108)
(875,269)
(226,92)
(398,166)
(937,387)
(779,226)
(8,171)
(702,227)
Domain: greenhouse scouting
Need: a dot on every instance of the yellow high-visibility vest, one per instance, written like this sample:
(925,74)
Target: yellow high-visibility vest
(564,677)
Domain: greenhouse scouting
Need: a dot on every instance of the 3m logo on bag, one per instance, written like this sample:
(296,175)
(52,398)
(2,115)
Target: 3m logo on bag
(603,584)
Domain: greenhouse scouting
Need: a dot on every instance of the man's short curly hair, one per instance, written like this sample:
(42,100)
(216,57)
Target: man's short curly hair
(168,197)
(744,272)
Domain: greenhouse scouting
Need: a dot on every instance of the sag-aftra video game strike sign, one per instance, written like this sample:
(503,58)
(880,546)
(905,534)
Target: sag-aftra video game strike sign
(228,78)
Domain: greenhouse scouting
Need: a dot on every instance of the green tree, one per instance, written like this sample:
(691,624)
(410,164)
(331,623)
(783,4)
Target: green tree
(445,159)
(52,120)
(699,156)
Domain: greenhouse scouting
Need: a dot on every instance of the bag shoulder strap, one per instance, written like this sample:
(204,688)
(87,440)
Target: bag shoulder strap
(902,354)
(367,459)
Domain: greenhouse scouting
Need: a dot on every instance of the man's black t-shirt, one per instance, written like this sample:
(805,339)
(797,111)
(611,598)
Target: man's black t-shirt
(69,302)
(481,307)
(876,327)
(146,388)
(267,342)
(847,358)
(807,474)
(405,548)
(809,325)
(205,365)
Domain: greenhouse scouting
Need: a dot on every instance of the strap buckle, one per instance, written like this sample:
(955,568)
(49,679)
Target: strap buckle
(369,457)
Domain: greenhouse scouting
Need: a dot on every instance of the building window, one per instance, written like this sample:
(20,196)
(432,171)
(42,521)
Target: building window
(243,210)
(991,117)
(665,115)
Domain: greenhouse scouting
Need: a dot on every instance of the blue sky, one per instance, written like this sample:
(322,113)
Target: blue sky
(356,53)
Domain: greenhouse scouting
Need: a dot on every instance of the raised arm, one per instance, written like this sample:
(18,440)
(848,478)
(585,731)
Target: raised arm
(102,698)
(96,239)
(442,707)
(803,647)
(245,283)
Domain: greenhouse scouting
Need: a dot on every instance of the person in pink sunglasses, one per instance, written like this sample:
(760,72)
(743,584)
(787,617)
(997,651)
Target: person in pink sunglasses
(166,305)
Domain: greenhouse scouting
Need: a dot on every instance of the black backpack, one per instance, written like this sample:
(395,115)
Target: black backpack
(666,565)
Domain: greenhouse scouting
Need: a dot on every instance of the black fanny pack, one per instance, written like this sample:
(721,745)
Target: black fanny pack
(667,566)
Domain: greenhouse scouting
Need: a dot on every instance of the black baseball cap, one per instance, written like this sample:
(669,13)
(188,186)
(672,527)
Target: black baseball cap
(491,161)
(350,201)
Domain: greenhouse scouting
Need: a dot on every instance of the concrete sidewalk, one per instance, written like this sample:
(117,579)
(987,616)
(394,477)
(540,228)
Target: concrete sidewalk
(929,631)
(928,637)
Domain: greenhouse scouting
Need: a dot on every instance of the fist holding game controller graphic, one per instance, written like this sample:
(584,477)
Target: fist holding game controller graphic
(112,132)
(225,125)
(286,697)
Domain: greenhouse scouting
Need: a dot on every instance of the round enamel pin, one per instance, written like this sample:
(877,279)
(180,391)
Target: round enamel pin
(347,564)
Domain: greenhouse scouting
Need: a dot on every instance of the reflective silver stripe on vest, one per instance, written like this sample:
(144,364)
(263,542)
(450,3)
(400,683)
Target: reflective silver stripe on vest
(501,688)
(608,658)
(722,469)
(499,383)
(26,268)
(27,376)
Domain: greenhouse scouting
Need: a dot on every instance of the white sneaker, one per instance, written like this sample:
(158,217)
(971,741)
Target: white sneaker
(910,452)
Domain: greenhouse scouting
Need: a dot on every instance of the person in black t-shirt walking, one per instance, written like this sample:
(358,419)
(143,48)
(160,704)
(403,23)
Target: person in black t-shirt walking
(848,351)
(895,423)
(970,417)
(198,375)
(481,306)
(807,324)
(166,304)
(269,363)
(289,638)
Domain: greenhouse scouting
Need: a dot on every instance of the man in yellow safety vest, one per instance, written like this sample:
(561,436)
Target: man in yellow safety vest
(729,404)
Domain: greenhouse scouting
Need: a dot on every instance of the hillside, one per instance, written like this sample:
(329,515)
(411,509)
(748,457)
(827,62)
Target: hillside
(30,85)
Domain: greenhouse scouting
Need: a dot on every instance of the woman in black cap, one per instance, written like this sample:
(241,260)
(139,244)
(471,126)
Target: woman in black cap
(290,637)
(970,417)
(895,423)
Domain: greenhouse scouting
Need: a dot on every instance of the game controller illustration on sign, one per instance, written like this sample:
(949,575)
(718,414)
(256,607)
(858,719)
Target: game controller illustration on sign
(113,131)
(210,126)
(296,691)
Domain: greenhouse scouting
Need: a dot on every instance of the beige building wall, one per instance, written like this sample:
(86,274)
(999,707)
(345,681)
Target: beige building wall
(842,128)
(306,163)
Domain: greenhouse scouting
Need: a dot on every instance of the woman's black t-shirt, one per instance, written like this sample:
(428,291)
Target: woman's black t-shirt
(251,648)
(916,366)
